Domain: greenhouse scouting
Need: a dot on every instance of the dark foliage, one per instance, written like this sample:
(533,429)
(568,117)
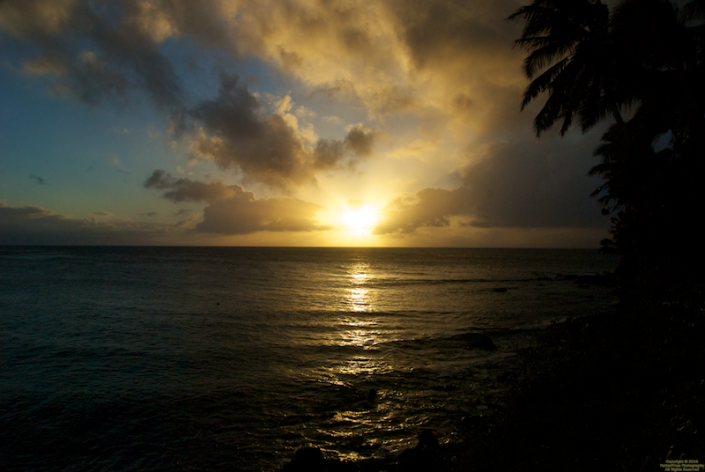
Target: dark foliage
(644,59)
(623,390)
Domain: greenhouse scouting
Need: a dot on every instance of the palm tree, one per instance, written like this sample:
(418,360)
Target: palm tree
(572,38)
(655,191)
(643,56)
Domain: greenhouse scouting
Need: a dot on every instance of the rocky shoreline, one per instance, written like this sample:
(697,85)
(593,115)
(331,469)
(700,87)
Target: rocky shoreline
(427,455)
(614,391)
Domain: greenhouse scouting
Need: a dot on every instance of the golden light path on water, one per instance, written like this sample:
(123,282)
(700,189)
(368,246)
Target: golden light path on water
(360,328)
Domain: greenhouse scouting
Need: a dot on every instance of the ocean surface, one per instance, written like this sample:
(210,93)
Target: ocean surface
(121,359)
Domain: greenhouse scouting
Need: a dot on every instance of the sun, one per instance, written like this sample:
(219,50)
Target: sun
(361,221)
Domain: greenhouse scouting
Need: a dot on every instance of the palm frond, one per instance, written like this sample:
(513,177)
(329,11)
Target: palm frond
(544,56)
(543,82)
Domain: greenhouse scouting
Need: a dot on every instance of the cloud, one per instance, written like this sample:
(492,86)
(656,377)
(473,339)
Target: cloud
(391,55)
(304,113)
(360,140)
(243,214)
(103,54)
(235,132)
(39,180)
(357,144)
(429,207)
(232,210)
(418,149)
(102,213)
(95,53)
(449,59)
(149,214)
(536,184)
(36,225)
(44,66)
(182,171)
(521,185)
(445,65)
(187,190)
(235,135)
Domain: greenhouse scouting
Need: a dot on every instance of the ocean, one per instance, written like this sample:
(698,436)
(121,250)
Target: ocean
(134,358)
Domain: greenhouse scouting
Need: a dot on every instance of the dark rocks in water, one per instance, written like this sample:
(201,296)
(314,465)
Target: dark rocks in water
(478,341)
(425,456)
(427,440)
(500,289)
(310,459)
(307,458)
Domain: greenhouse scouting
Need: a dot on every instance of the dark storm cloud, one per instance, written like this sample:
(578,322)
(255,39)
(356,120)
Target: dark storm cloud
(99,50)
(264,148)
(522,185)
(430,207)
(331,153)
(328,153)
(95,51)
(35,225)
(360,140)
(236,134)
(232,210)
(201,20)
(187,190)
(536,184)
(104,51)
(438,31)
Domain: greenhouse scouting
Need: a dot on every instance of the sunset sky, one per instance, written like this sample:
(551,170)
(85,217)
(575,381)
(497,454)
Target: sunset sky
(280,123)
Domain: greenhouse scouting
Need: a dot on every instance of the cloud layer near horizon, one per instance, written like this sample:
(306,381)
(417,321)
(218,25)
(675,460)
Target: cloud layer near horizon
(522,185)
(231,210)
(38,226)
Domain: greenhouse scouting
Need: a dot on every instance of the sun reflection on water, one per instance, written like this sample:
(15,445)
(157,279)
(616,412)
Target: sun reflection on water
(365,409)
(357,299)
(359,333)
(358,296)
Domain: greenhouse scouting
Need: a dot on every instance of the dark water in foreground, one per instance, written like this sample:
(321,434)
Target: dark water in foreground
(231,358)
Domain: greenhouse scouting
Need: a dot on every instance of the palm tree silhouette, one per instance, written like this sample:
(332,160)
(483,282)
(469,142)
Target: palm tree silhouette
(647,56)
(572,37)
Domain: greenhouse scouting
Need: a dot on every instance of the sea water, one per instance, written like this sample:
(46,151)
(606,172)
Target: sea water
(232,358)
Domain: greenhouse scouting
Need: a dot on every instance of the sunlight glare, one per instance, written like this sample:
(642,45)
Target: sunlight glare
(361,221)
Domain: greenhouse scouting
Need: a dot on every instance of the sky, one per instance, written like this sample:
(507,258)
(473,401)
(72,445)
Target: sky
(386,123)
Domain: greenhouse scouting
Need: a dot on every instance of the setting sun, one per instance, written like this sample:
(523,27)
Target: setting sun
(362,220)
